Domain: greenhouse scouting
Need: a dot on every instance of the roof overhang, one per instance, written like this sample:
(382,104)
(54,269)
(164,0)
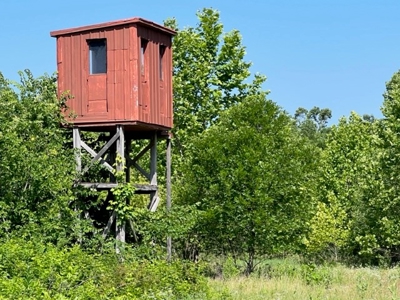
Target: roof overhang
(136,20)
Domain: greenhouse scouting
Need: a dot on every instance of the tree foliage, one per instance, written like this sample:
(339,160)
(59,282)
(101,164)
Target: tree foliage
(383,236)
(313,123)
(358,185)
(210,75)
(347,180)
(36,165)
(251,175)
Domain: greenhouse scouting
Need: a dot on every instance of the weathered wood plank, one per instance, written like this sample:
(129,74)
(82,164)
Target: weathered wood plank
(168,183)
(142,152)
(77,147)
(168,175)
(121,147)
(119,235)
(153,160)
(145,188)
(142,171)
(146,135)
(135,237)
(120,226)
(139,188)
(154,199)
(109,224)
(102,151)
(93,154)
(154,202)
(99,185)
(128,160)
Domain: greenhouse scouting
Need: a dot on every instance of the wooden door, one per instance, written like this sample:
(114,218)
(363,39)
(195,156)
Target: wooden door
(97,94)
(97,77)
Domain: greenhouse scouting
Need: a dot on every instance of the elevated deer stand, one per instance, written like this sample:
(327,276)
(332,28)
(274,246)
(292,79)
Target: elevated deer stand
(120,76)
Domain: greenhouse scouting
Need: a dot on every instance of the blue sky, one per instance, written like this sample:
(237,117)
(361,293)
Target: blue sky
(332,53)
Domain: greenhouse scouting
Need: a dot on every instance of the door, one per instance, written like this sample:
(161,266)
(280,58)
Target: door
(97,77)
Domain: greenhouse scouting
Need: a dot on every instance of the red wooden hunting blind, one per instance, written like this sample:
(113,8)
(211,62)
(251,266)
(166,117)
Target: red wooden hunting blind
(118,73)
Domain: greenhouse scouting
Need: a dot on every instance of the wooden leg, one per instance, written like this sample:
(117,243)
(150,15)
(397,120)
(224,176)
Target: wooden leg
(153,174)
(168,167)
(77,148)
(127,160)
(120,228)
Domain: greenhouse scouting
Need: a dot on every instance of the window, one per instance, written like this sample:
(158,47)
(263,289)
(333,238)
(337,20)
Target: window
(162,51)
(143,46)
(97,56)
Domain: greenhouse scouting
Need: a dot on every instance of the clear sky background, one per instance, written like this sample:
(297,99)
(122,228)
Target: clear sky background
(334,54)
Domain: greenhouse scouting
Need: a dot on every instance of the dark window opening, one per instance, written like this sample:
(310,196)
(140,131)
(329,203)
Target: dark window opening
(162,52)
(97,56)
(143,46)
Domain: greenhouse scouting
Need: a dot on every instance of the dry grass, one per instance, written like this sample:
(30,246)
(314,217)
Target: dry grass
(337,282)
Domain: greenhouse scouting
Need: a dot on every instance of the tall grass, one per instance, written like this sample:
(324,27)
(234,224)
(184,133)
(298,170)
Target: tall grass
(291,280)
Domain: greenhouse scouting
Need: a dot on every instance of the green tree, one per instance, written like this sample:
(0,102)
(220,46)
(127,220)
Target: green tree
(375,204)
(250,175)
(36,166)
(313,123)
(210,75)
(381,236)
(358,190)
(348,182)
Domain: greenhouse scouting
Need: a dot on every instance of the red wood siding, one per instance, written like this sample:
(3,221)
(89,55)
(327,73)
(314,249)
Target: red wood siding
(123,94)
(156,94)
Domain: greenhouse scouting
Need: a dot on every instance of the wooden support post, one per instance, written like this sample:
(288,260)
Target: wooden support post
(121,148)
(153,173)
(120,228)
(128,160)
(77,147)
(112,161)
(168,167)
(76,139)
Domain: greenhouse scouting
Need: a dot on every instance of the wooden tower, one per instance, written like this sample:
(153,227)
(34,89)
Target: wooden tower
(119,75)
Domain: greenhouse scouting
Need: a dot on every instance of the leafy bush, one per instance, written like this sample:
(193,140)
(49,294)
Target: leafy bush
(36,165)
(33,270)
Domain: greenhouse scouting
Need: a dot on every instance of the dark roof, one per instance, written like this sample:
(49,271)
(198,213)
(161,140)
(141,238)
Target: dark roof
(129,21)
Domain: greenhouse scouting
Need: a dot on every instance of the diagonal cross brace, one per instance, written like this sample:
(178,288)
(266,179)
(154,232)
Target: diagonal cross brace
(93,154)
(109,224)
(142,152)
(134,161)
(142,171)
(102,151)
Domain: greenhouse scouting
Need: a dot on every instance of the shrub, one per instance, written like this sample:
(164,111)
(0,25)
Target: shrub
(33,270)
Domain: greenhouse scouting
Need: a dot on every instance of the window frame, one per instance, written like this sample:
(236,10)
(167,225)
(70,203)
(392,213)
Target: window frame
(97,65)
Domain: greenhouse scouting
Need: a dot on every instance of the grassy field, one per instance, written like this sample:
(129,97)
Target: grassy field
(287,280)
